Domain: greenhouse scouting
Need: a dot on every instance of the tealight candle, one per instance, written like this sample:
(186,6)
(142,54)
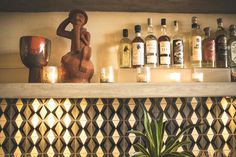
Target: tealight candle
(107,75)
(197,76)
(174,77)
(143,74)
(50,74)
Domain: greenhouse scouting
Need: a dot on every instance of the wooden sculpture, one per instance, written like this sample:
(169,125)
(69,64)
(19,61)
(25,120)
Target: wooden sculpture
(76,64)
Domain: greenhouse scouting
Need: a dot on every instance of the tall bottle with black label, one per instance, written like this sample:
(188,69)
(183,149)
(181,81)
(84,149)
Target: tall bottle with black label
(164,46)
(125,50)
(178,47)
(221,45)
(196,44)
(137,48)
(232,46)
(150,46)
(208,49)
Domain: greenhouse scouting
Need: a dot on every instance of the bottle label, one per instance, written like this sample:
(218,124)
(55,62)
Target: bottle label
(209,53)
(233,51)
(164,60)
(221,45)
(151,47)
(138,53)
(196,48)
(152,59)
(125,55)
(178,51)
(165,47)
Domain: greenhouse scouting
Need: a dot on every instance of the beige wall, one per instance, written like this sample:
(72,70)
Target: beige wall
(105,29)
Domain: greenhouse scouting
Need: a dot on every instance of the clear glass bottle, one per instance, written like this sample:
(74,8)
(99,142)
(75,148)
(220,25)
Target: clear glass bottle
(196,44)
(178,47)
(150,46)
(164,46)
(232,46)
(137,48)
(208,49)
(221,45)
(125,50)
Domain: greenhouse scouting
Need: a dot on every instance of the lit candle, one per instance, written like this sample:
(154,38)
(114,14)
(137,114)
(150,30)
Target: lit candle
(50,74)
(107,75)
(197,76)
(143,74)
(174,77)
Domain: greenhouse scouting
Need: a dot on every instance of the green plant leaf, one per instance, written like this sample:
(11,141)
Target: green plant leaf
(138,154)
(175,146)
(141,148)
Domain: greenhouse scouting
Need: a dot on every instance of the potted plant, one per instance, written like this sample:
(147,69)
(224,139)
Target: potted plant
(153,137)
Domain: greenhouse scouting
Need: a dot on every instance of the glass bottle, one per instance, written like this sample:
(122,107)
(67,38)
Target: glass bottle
(208,49)
(232,46)
(137,48)
(150,46)
(221,45)
(178,47)
(164,46)
(196,44)
(125,50)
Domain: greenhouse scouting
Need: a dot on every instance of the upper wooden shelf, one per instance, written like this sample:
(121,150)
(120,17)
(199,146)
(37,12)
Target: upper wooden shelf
(165,6)
(116,90)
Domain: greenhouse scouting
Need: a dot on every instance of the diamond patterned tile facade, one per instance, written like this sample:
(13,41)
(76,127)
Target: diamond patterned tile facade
(98,127)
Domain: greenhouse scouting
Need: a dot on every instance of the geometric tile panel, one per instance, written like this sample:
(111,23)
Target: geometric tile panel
(98,127)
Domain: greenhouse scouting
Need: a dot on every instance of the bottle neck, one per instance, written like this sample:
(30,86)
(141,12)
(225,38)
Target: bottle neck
(138,34)
(163,29)
(176,29)
(150,30)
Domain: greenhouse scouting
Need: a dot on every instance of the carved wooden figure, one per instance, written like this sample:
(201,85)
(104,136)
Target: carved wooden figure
(76,64)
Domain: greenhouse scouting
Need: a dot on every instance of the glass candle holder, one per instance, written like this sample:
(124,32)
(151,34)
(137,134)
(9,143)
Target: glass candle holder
(174,77)
(144,74)
(50,74)
(197,76)
(107,75)
(233,74)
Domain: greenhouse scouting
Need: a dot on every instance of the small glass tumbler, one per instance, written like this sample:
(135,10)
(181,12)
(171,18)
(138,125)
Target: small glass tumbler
(233,74)
(144,74)
(107,75)
(50,74)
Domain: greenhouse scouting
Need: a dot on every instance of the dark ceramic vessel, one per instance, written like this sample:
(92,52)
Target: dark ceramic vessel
(35,53)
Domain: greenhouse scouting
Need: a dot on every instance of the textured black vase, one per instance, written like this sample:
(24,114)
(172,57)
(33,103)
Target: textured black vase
(35,53)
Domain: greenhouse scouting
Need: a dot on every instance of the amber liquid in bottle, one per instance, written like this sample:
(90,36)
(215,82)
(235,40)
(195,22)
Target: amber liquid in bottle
(125,50)
(164,47)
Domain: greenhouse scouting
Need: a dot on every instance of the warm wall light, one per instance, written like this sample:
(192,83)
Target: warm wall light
(175,77)
(50,74)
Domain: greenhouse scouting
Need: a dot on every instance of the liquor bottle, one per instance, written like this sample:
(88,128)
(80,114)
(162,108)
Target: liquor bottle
(125,50)
(232,46)
(137,48)
(221,45)
(208,49)
(196,44)
(150,46)
(164,46)
(178,47)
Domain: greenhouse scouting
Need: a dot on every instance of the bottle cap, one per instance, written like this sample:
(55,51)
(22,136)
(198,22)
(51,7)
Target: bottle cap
(125,33)
(176,23)
(219,20)
(232,28)
(137,28)
(163,21)
(194,19)
(207,31)
(149,21)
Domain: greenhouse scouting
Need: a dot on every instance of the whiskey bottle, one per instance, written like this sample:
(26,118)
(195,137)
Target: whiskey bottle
(164,46)
(137,48)
(125,50)
(178,47)
(232,46)
(196,44)
(208,49)
(150,46)
(221,45)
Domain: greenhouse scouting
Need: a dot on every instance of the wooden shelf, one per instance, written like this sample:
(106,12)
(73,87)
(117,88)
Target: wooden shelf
(166,6)
(116,90)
